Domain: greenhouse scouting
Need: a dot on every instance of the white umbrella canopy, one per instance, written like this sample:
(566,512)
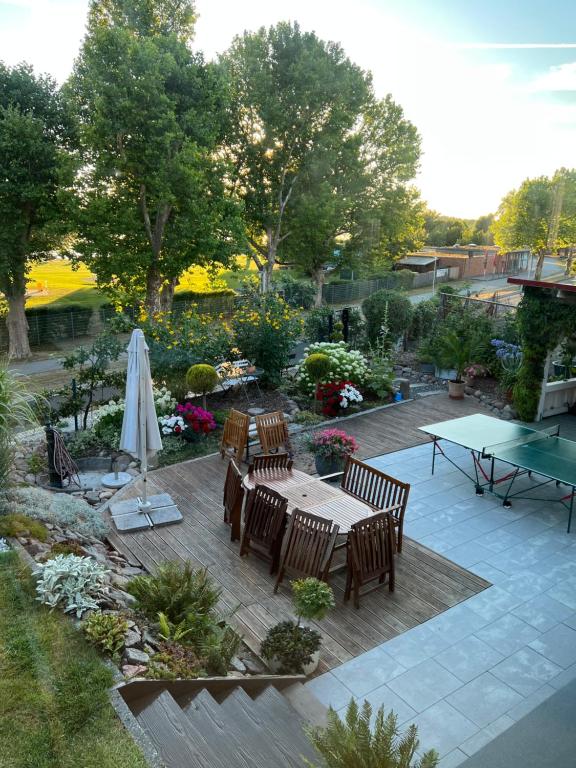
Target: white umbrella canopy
(140,431)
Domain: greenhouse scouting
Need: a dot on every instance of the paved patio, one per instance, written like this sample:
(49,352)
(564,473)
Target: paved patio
(467,675)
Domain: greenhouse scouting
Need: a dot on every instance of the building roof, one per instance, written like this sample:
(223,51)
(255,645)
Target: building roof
(421,261)
(563,290)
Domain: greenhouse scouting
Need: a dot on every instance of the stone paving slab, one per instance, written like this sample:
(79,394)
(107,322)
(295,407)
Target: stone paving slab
(468,675)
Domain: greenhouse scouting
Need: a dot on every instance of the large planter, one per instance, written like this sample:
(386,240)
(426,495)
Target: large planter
(275,664)
(456,390)
(329,465)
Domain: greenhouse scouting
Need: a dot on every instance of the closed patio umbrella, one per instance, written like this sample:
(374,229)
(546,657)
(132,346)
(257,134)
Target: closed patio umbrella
(140,431)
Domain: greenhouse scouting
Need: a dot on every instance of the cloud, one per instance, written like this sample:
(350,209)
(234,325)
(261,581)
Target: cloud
(559,78)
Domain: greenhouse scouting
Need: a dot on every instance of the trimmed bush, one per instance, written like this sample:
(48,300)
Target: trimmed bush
(399,313)
(202,378)
(317,366)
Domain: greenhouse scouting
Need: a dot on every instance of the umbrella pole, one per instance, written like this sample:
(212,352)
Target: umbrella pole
(144,504)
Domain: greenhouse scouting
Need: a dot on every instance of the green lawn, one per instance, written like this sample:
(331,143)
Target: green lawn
(54,708)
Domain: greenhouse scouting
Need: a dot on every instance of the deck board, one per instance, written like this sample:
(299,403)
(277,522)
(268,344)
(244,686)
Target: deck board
(426,582)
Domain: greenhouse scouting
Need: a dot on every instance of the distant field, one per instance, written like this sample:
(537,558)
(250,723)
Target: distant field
(55,282)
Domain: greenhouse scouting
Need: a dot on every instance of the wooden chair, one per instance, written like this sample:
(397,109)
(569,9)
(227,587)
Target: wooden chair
(307,547)
(370,554)
(379,491)
(235,435)
(264,524)
(270,461)
(272,432)
(233,499)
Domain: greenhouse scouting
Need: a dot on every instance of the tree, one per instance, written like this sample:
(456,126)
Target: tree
(34,131)
(443,231)
(294,99)
(152,196)
(540,215)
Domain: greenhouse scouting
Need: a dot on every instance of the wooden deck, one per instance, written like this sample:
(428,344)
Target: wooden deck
(426,583)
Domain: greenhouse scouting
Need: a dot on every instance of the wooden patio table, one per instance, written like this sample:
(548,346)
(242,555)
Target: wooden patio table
(312,495)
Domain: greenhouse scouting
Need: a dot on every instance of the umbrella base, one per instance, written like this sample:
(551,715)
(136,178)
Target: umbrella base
(132,515)
(116,479)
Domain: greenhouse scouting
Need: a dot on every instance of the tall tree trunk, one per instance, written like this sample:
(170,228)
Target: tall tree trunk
(17,323)
(153,289)
(267,267)
(319,276)
(167,295)
(539,265)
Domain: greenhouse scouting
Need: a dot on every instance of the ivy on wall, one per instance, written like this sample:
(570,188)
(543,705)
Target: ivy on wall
(543,322)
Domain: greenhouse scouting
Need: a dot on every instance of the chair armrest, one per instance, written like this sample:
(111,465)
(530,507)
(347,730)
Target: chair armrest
(328,477)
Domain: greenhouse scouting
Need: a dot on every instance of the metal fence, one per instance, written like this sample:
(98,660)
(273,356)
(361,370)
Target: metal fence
(490,307)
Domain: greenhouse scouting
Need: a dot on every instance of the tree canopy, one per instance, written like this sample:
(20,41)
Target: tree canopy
(540,214)
(152,197)
(34,131)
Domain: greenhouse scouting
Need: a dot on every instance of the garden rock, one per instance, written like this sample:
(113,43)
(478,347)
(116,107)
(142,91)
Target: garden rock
(238,665)
(149,640)
(133,670)
(135,656)
(256,411)
(253,666)
(132,638)
(92,497)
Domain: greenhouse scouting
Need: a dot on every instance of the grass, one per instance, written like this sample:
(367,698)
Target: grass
(54,707)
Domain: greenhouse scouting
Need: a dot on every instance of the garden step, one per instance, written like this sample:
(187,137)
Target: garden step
(432,392)
(242,742)
(306,704)
(170,731)
(285,725)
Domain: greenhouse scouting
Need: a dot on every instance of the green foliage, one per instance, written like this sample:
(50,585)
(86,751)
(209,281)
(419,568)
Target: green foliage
(107,631)
(345,365)
(37,463)
(202,378)
(34,131)
(543,322)
(65,548)
(455,352)
(55,710)
(75,583)
(265,330)
(153,199)
(90,367)
(175,661)
(172,632)
(298,294)
(291,645)
(176,591)
(13,524)
(308,418)
(57,508)
(16,412)
(381,371)
(394,303)
(353,743)
(317,366)
(84,443)
(424,317)
(316,324)
(312,598)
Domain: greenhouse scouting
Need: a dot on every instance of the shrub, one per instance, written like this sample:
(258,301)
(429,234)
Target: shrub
(317,366)
(19,525)
(291,645)
(312,599)
(78,583)
(197,421)
(316,324)
(332,443)
(298,294)
(307,418)
(174,590)
(58,509)
(424,316)
(345,365)
(202,378)
(107,631)
(399,311)
(352,741)
(16,412)
(84,443)
(265,330)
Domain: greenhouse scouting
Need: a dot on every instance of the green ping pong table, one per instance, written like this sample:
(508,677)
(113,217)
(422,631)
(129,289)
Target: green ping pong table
(528,451)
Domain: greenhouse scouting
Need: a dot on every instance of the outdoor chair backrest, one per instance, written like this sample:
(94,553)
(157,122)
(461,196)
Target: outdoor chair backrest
(270,461)
(233,499)
(370,554)
(272,431)
(378,490)
(235,434)
(264,522)
(307,547)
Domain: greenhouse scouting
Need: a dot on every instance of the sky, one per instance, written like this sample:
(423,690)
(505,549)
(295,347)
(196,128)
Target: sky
(490,85)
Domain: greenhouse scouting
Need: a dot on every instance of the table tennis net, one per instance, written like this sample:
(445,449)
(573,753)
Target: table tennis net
(536,436)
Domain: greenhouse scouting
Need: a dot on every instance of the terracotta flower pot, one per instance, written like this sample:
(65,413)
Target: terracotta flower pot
(456,390)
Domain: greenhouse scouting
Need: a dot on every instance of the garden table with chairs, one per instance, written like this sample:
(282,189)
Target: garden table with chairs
(295,520)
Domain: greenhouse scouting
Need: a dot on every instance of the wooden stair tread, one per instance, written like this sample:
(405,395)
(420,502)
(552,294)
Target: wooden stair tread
(285,724)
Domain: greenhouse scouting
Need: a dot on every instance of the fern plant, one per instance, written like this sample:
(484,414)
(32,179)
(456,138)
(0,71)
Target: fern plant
(351,743)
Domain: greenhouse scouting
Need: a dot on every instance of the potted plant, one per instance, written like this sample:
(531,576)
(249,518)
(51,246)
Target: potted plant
(473,372)
(455,352)
(331,448)
(291,647)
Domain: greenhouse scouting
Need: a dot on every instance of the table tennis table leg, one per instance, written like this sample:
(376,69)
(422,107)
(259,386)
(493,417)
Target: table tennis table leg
(507,503)
(571,509)
(434,455)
